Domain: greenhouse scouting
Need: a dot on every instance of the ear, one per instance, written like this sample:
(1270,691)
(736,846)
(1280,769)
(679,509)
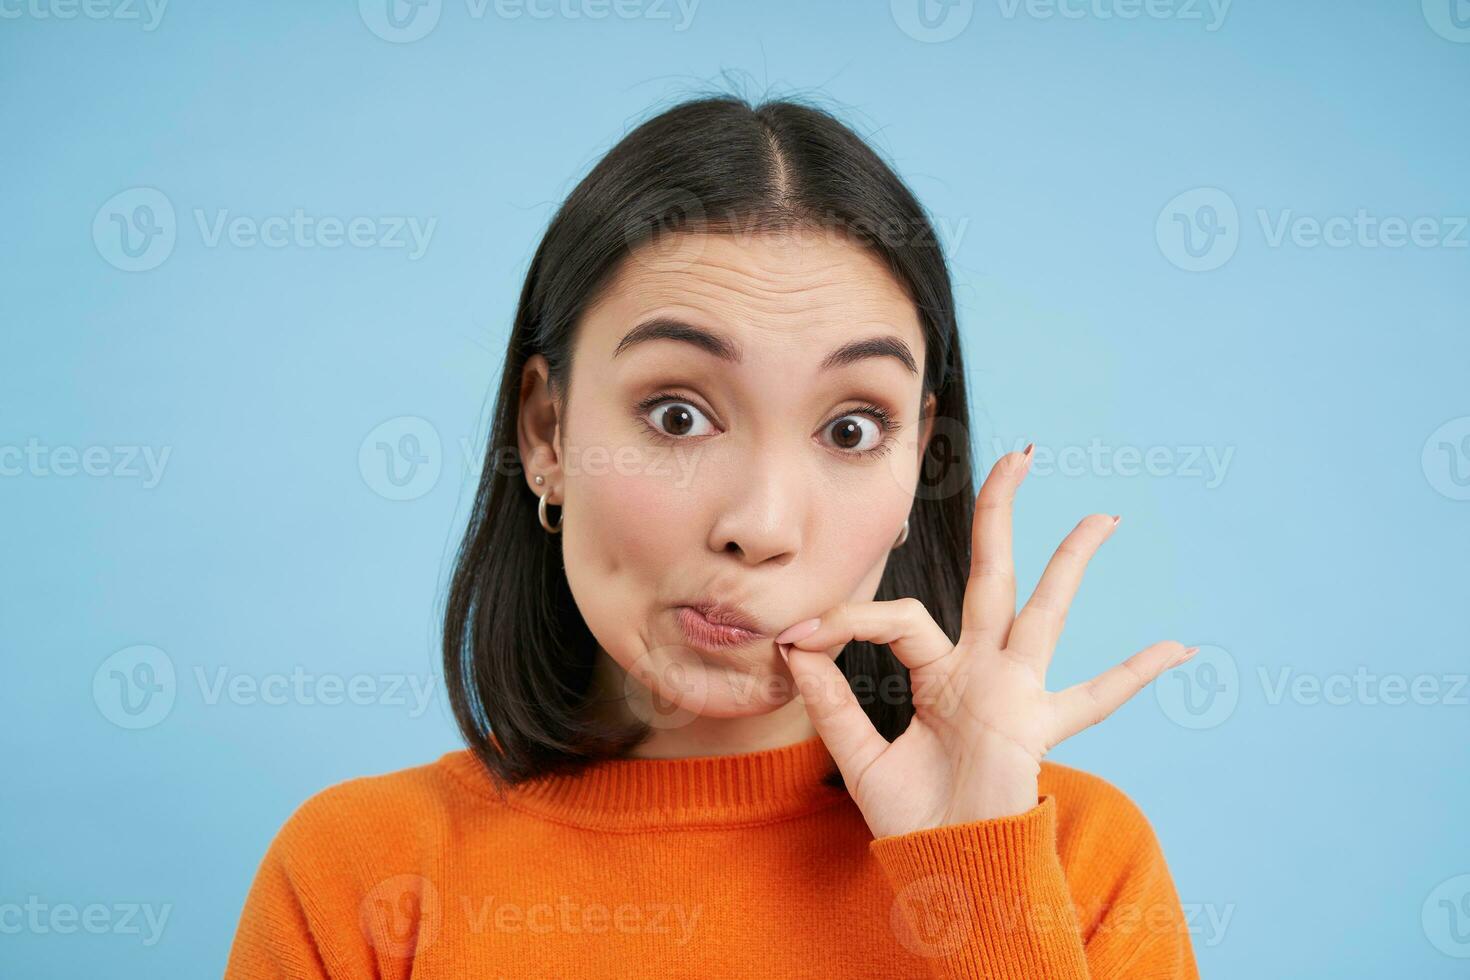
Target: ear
(538,429)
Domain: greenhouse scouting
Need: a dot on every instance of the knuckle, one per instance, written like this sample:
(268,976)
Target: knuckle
(990,568)
(1131,667)
(993,498)
(1047,606)
(912,606)
(1096,710)
(1074,550)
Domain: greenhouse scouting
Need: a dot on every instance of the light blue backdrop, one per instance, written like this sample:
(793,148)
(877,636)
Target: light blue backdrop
(191,413)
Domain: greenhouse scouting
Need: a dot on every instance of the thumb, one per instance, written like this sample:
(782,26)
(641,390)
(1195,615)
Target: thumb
(834,710)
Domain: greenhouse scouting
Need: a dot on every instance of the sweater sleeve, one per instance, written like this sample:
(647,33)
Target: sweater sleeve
(990,898)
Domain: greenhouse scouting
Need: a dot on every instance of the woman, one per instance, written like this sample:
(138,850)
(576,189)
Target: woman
(735,652)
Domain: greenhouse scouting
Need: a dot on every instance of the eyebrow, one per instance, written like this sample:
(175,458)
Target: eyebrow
(667,328)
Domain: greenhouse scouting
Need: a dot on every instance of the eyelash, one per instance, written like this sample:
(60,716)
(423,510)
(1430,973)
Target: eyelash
(885,419)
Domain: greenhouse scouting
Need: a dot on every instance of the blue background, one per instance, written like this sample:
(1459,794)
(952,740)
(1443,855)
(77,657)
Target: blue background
(1049,150)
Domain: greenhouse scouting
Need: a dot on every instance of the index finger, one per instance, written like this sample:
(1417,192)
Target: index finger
(905,625)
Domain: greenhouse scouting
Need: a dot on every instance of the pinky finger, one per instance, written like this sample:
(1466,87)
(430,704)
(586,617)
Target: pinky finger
(1084,705)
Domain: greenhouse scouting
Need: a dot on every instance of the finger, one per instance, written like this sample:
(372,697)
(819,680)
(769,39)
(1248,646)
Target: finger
(841,722)
(1040,621)
(904,624)
(990,594)
(1083,705)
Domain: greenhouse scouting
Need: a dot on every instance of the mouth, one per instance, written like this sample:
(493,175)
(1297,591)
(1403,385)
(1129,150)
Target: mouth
(712,625)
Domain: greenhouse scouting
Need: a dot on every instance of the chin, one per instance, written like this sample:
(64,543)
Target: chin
(734,683)
(746,694)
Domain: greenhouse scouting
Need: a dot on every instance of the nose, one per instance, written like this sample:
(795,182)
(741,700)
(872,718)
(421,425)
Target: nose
(760,516)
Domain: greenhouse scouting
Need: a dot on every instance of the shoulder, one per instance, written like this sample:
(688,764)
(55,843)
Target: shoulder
(1097,823)
(368,827)
(348,851)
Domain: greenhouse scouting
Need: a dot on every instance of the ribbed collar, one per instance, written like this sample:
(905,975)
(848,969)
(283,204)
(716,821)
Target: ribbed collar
(697,791)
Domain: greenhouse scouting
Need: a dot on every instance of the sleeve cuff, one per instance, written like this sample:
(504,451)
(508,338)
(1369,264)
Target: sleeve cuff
(985,898)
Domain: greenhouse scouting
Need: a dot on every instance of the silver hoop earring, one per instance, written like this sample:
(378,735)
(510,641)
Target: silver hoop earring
(541,513)
(902,535)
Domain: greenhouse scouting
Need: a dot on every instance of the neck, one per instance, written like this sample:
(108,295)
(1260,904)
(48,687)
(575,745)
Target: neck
(698,735)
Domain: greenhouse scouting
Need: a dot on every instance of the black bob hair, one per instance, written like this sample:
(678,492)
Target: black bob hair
(518,657)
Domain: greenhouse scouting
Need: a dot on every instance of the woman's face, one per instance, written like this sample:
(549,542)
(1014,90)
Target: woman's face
(714,448)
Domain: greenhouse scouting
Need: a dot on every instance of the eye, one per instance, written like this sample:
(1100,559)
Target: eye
(857,433)
(675,418)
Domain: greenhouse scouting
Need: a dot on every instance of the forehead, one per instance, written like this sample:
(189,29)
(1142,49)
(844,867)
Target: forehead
(773,294)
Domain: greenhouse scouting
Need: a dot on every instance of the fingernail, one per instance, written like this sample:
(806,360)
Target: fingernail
(804,628)
(1188,652)
(1116,519)
(784,649)
(1027,451)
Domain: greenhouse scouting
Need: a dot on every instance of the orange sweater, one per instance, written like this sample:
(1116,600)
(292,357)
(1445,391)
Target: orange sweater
(720,866)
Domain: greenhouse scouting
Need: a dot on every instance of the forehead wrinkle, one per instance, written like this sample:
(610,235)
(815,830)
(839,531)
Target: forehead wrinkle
(773,276)
(843,293)
(847,299)
(786,265)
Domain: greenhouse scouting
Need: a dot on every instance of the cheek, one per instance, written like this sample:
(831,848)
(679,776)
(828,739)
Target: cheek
(857,525)
(633,519)
(623,529)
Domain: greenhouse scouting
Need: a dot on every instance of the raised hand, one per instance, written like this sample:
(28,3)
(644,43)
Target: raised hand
(983,716)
